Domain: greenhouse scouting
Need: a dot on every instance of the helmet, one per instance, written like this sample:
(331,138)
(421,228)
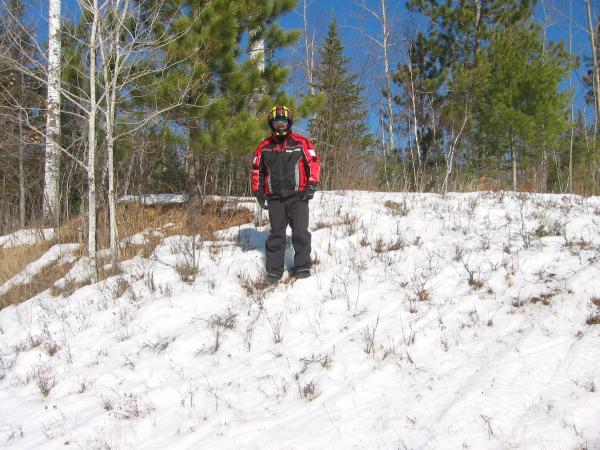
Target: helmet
(280,120)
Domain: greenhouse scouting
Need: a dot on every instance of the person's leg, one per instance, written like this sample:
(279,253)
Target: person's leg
(275,244)
(297,212)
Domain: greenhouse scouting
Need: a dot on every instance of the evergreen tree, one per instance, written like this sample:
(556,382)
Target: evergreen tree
(340,130)
(517,111)
(484,64)
(222,119)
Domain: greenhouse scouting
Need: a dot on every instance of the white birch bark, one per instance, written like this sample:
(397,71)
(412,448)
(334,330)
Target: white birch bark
(413,99)
(452,153)
(91,165)
(51,205)
(257,48)
(309,49)
(111,58)
(388,75)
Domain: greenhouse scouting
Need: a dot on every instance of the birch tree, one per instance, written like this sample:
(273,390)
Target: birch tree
(92,7)
(130,51)
(51,205)
(383,41)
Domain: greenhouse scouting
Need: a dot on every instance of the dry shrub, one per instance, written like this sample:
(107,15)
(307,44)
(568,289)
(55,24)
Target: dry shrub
(41,281)
(187,271)
(252,285)
(593,319)
(397,209)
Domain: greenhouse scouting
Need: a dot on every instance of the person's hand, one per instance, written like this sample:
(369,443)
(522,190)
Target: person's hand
(309,192)
(260,198)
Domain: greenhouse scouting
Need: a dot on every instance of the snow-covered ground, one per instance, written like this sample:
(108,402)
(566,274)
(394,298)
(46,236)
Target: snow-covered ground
(430,322)
(26,237)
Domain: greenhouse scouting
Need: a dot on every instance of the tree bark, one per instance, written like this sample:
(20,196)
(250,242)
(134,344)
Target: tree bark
(388,87)
(513,155)
(413,98)
(91,166)
(596,69)
(51,206)
(21,169)
(309,47)
(572,137)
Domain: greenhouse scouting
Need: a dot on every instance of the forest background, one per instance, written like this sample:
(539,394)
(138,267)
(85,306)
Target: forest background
(101,99)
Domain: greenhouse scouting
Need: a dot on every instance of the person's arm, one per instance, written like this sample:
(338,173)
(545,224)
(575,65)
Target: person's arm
(313,163)
(257,180)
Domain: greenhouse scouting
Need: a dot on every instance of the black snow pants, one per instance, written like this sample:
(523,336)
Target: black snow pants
(283,212)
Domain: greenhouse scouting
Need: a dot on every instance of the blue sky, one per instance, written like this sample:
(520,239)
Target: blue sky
(554,14)
(351,17)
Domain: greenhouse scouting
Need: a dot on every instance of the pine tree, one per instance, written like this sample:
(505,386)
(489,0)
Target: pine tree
(340,130)
(223,118)
(495,85)
(518,113)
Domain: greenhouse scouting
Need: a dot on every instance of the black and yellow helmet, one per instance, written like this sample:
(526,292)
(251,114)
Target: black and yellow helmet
(280,120)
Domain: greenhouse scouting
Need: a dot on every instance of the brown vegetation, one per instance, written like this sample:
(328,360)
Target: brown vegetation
(41,281)
(133,218)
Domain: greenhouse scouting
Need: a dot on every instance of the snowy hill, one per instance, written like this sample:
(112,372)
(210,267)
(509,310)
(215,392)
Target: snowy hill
(464,321)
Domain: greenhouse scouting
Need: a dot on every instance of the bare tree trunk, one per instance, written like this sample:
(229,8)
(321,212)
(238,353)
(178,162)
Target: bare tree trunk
(388,88)
(309,47)
(596,69)
(413,98)
(572,138)
(21,166)
(451,153)
(51,206)
(383,144)
(112,202)
(91,166)
(111,58)
(513,155)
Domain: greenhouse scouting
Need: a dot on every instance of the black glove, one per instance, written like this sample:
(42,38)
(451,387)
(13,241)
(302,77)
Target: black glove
(261,199)
(309,192)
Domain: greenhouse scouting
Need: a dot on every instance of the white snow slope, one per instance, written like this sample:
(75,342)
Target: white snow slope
(431,323)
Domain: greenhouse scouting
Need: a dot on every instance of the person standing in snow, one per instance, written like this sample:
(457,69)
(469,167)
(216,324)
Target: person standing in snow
(285,172)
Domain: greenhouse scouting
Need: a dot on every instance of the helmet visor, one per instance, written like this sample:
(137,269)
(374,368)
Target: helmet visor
(280,124)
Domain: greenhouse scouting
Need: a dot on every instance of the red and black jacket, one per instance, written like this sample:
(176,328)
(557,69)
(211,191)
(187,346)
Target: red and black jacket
(284,167)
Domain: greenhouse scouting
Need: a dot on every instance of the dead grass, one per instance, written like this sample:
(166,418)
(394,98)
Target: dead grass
(14,259)
(43,280)
(194,219)
(173,220)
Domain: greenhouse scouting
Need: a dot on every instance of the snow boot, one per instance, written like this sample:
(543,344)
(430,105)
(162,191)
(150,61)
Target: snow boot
(300,273)
(272,278)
